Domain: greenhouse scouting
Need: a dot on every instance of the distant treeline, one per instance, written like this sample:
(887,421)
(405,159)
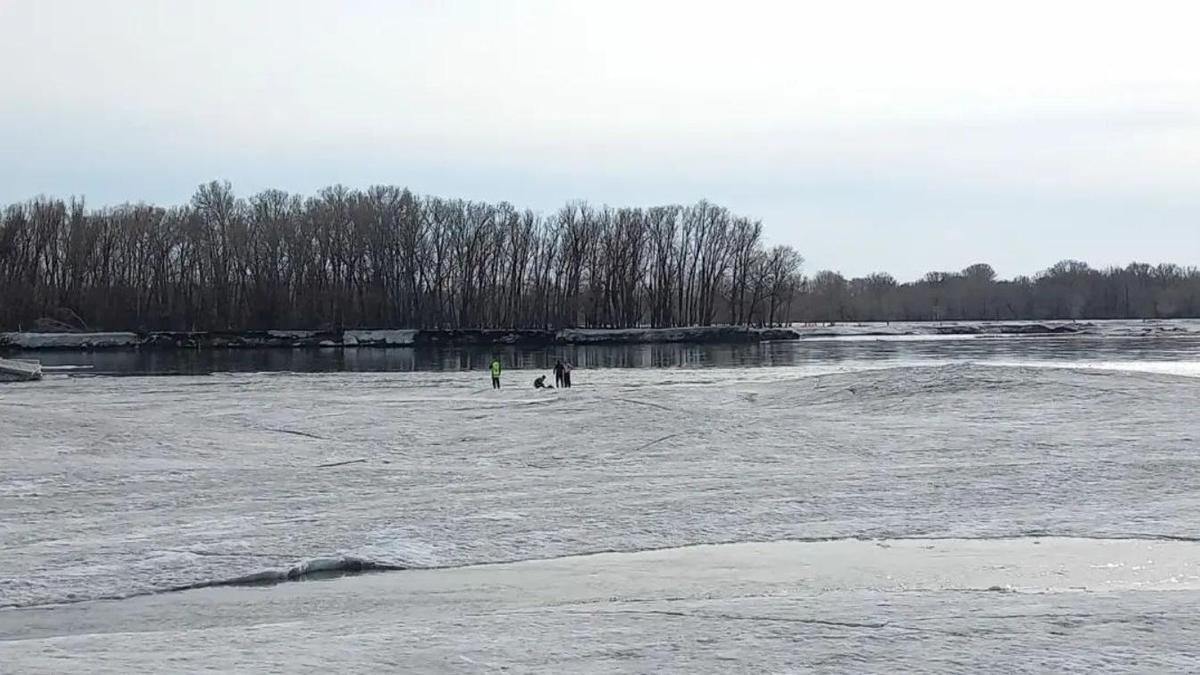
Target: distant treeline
(385,257)
(1068,290)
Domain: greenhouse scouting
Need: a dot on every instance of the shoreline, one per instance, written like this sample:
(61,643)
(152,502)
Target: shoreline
(411,338)
(392,338)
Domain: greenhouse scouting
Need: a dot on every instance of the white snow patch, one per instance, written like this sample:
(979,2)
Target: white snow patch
(19,370)
(369,338)
(882,605)
(68,340)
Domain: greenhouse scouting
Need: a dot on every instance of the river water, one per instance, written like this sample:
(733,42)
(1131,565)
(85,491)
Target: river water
(849,351)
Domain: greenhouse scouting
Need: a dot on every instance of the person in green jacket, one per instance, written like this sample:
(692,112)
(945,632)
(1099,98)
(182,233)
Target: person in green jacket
(495,368)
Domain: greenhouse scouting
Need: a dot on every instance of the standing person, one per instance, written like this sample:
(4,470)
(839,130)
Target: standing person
(567,375)
(495,368)
(559,371)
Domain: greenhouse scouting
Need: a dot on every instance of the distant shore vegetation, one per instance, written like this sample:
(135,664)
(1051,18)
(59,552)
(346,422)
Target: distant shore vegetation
(385,257)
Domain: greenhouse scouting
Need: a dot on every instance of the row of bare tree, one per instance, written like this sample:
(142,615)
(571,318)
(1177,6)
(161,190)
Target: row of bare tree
(384,257)
(1068,290)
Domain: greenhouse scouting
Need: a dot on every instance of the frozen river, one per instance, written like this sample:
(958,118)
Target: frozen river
(918,506)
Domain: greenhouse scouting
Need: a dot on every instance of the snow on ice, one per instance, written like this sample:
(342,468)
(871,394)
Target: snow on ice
(1027,485)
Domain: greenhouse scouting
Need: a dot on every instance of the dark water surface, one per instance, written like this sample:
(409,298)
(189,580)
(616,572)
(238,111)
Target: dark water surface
(920,350)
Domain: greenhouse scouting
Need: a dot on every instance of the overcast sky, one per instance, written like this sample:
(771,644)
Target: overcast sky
(898,136)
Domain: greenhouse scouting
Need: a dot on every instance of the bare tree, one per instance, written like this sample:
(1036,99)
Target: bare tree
(386,258)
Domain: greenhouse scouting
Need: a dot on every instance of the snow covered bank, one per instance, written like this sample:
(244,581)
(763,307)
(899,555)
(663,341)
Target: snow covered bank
(938,605)
(538,338)
(240,339)
(1102,328)
(382,338)
(379,338)
(70,340)
(939,328)
(696,334)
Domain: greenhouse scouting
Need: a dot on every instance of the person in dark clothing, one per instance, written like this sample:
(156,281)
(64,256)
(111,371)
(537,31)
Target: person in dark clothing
(540,383)
(558,374)
(566,375)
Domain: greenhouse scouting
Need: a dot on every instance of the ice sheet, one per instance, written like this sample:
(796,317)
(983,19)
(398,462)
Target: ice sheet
(111,487)
(1026,605)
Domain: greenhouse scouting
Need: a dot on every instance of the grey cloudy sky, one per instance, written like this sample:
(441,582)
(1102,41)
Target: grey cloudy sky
(899,136)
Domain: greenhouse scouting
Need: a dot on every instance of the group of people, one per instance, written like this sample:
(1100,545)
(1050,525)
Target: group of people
(562,375)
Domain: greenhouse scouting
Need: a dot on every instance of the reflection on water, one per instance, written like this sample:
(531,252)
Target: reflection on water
(792,353)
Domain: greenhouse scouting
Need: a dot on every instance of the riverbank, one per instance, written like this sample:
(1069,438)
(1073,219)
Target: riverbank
(300,339)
